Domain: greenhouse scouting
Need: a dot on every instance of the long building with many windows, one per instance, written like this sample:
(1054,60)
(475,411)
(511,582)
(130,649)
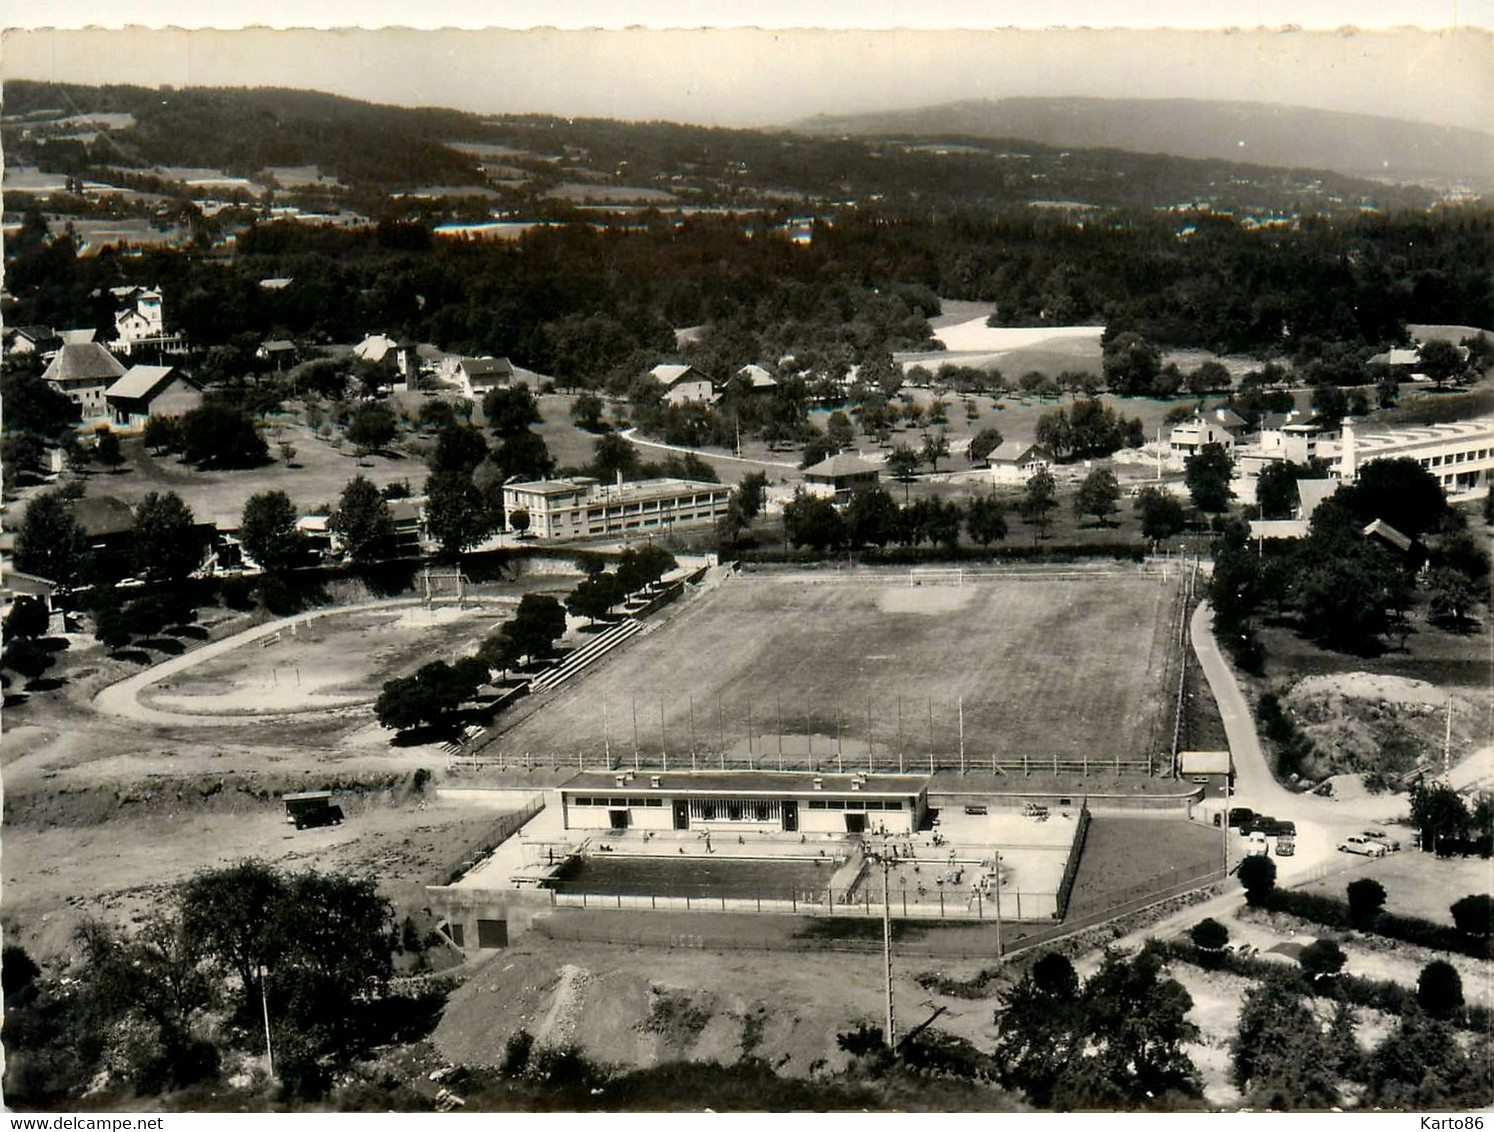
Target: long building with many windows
(583,507)
(1460,454)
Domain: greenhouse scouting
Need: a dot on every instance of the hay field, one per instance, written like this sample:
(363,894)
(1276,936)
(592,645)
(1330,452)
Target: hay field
(811,664)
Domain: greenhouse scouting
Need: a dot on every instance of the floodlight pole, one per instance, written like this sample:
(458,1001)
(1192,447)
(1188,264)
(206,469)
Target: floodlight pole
(264,1001)
(882,858)
(606,733)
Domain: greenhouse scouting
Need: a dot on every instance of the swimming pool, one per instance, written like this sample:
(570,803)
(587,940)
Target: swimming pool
(607,875)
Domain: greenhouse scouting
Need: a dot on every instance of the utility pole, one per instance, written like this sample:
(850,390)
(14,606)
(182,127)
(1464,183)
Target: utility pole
(264,1002)
(882,857)
(998,904)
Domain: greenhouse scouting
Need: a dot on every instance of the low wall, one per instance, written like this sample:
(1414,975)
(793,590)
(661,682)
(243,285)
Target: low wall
(1158,805)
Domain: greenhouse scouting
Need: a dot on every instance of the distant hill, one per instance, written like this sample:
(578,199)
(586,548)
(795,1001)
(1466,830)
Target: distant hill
(1359,145)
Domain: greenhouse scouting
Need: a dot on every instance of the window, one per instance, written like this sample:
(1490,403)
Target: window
(635,801)
(892,805)
(734,811)
(834,804)
(580,801)
(708,811)
(873,805)
(817,803)
(655,802)
(1065,801)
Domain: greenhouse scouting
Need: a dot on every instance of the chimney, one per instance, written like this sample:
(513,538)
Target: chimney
(819,782)
(621,780)
(653,781)
(1348,463)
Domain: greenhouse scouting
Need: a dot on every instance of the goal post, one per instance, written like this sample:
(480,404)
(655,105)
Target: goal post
(937,576)
(440,585)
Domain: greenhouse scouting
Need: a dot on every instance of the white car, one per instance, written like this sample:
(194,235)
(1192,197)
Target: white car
(1382,838)
(1362,845)
(1256,845)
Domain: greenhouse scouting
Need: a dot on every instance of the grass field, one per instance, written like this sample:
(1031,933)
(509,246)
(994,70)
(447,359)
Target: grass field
(783,662)
(1123,856)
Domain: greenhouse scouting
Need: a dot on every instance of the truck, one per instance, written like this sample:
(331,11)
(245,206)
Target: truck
(311,809)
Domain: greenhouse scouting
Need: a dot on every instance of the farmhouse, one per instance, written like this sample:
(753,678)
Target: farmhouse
(1016,463)
(841,476)
(746,802)
(581,506)
(82,372)
(26,340)
(1190,436)
(682,384)
(1459,454)
(151,391)
(475,376)
(756,380)
(279,352)
(394,357)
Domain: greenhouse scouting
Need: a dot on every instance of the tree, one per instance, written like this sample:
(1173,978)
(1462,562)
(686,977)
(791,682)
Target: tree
(985,519)
(33,405)
(219,436)
(1131,364)
(1210,377)
(1474,915)
(362,521)
(1321,959)
(1207,474)
(901,462)
(935,447)
(268,531)
(372,428)
(518,521)
(166,544)
(812,521)
(1399,491)
(986,441)
(816,448)
(1422,1066)
(872,517)
(23,453)
(106,448)
(456,514)
(1439,812)
(459,448)
(1098,495)
(1452,597)
(1276,489)
(1439,989)
(593,597)
(536,624)
(430,696)
(1280,1059)
(611,456)
(50,542)
(1040,499)
(839,431)
(1053,432)
(524,454)
(27,618)
(510,411)
(1366,898)
(1258,877)
(587,412)
(1441,361)
(1162,514)
(1209,936)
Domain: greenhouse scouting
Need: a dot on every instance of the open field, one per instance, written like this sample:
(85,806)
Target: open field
(1416,884)
(1122,854)
(783,662)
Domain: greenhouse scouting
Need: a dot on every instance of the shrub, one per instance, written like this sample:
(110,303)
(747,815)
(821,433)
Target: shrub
(1209,935)
(1439,990)
(1474,915)
(1258,875)
(1366,898)
(1321,959)
(516,1053)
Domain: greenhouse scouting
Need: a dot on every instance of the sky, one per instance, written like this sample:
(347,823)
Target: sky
(777,62)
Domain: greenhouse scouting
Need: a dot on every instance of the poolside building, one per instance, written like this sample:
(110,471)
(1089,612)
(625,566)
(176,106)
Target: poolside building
(1460,454)
(582,507)
(740,802)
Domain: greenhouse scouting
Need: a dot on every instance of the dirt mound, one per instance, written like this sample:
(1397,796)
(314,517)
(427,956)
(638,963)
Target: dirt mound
(631,1006)
(1361,722)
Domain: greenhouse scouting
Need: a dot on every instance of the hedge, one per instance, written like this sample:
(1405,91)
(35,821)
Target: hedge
(1334,913)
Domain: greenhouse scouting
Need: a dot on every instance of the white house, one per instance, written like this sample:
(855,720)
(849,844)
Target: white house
(475,376)
(151,391)
(1014,462)
(140,322)
(682,384)
(82,371)
(1205,428)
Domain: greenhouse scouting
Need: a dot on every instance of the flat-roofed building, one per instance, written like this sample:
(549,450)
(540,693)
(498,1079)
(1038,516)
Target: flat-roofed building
(1460,454)
(583,507)
(745,801)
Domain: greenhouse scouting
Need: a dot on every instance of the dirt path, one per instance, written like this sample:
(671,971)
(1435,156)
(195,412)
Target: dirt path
(122,699)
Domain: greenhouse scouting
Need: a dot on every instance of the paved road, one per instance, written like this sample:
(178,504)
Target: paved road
(631,436)
(122,699)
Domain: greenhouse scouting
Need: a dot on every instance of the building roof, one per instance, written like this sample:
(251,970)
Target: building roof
(275,284)
(83,361)
(740,782)
(668,374)
(1398,356)
(843,464)
(1278,528)
(407,509)
(103,515)
(141,383)
(1204,762)
(278,346)
(759,377)
(486,367)
(566,485)
(1389,534)
(1383,443)
(1312,492)
(1228,417)
(1015,452)
(36,333)
(80,335)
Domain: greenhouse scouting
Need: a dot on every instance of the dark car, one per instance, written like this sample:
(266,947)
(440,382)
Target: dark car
(1241,816)
(1272,827)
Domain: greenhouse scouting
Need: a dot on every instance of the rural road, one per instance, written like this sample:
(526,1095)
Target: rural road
(122,699)
(631,436)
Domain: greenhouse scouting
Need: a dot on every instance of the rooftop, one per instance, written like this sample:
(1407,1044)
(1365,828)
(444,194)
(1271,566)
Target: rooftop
(843,464)
(668,374)
(748,782)
(80,361)
(140,382)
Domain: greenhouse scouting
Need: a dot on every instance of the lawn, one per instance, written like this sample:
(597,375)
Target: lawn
(1123,856)
(1416,884)
(1044,668)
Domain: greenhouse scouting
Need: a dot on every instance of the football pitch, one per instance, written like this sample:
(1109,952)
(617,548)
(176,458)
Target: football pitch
(861,668)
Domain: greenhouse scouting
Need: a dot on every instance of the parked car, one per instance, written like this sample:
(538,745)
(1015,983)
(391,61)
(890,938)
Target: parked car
(1271,827)
(1380,836)
(1240,816)
(1286,845)
(1256,845)
(1364,846)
